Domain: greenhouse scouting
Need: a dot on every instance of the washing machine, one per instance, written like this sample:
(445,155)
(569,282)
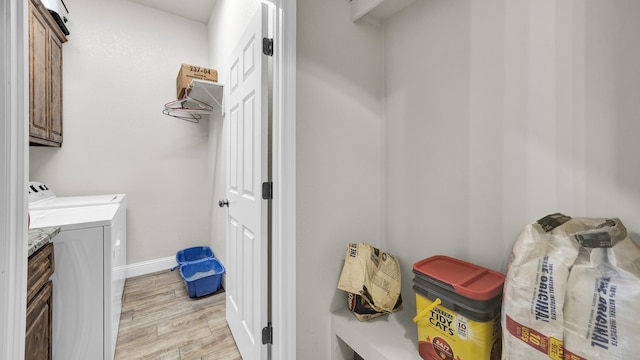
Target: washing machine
(90,269)
(41,197)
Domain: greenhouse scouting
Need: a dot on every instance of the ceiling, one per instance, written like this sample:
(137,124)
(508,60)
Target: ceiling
(198,10)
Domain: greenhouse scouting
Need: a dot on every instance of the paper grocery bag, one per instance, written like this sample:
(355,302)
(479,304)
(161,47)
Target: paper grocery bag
(374,276)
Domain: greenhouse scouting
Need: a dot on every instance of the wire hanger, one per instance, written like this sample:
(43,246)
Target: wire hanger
(185,104)
(184,110)
(188,116)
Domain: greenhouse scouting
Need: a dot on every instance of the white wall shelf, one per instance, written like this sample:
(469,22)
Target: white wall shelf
(388,337)
(201,98)
(378,9)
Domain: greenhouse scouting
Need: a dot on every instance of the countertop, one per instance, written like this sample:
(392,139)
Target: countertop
(41,237)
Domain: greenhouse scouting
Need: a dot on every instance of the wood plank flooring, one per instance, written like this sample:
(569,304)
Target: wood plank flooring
(159,321)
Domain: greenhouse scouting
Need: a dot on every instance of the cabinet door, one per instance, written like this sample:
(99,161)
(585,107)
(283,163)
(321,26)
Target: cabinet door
(38,70)
(39,269)
(39,322)
(55,106)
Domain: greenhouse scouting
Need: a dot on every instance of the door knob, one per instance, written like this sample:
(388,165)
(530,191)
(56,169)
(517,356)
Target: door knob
(223,203)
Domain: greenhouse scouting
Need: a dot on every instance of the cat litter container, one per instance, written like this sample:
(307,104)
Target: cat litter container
(458,310)
(193,254)
(202,277)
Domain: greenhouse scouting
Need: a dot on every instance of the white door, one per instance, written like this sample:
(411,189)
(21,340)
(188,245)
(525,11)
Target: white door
(247,261)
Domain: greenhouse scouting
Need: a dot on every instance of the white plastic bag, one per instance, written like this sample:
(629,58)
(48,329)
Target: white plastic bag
(602,296)
(572,291)
(535,285)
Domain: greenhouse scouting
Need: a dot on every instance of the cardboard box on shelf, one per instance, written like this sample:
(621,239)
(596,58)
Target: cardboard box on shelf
(189,72)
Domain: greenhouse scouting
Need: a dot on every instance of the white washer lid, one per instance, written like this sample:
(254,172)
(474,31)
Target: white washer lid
(74,217)
(77,201)
(41,197)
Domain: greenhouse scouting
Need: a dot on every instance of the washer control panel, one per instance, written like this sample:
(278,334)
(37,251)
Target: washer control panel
(39,191)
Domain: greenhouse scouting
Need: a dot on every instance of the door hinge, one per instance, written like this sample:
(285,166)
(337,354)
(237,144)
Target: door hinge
(267,46)
(267,190)
(267,335)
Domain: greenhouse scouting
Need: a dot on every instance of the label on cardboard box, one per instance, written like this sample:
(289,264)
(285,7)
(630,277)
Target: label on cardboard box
(189,72)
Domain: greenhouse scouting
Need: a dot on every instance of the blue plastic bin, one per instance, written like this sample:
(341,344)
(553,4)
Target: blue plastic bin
(202,277)
(193,254)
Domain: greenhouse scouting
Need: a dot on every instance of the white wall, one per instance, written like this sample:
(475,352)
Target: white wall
(427,133)
(339,122)
(505,112)
(120,66)
(612,93)
(473,138)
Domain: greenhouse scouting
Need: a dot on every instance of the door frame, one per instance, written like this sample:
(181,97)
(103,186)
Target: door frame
(14,164)
(283,282)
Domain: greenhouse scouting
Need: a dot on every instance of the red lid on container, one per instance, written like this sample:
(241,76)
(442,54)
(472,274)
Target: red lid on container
(472,281)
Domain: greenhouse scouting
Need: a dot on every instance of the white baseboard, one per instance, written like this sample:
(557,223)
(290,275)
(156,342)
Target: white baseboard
(151,266)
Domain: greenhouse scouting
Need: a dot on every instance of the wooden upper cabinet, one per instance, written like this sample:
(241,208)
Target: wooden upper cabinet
(45,77)
(38,38)
(55,111)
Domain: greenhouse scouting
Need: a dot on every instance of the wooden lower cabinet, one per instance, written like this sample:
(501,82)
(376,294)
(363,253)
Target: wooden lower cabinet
(39,322)
(38,344)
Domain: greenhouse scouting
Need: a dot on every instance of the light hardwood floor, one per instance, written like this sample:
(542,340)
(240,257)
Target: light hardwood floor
(159,321)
